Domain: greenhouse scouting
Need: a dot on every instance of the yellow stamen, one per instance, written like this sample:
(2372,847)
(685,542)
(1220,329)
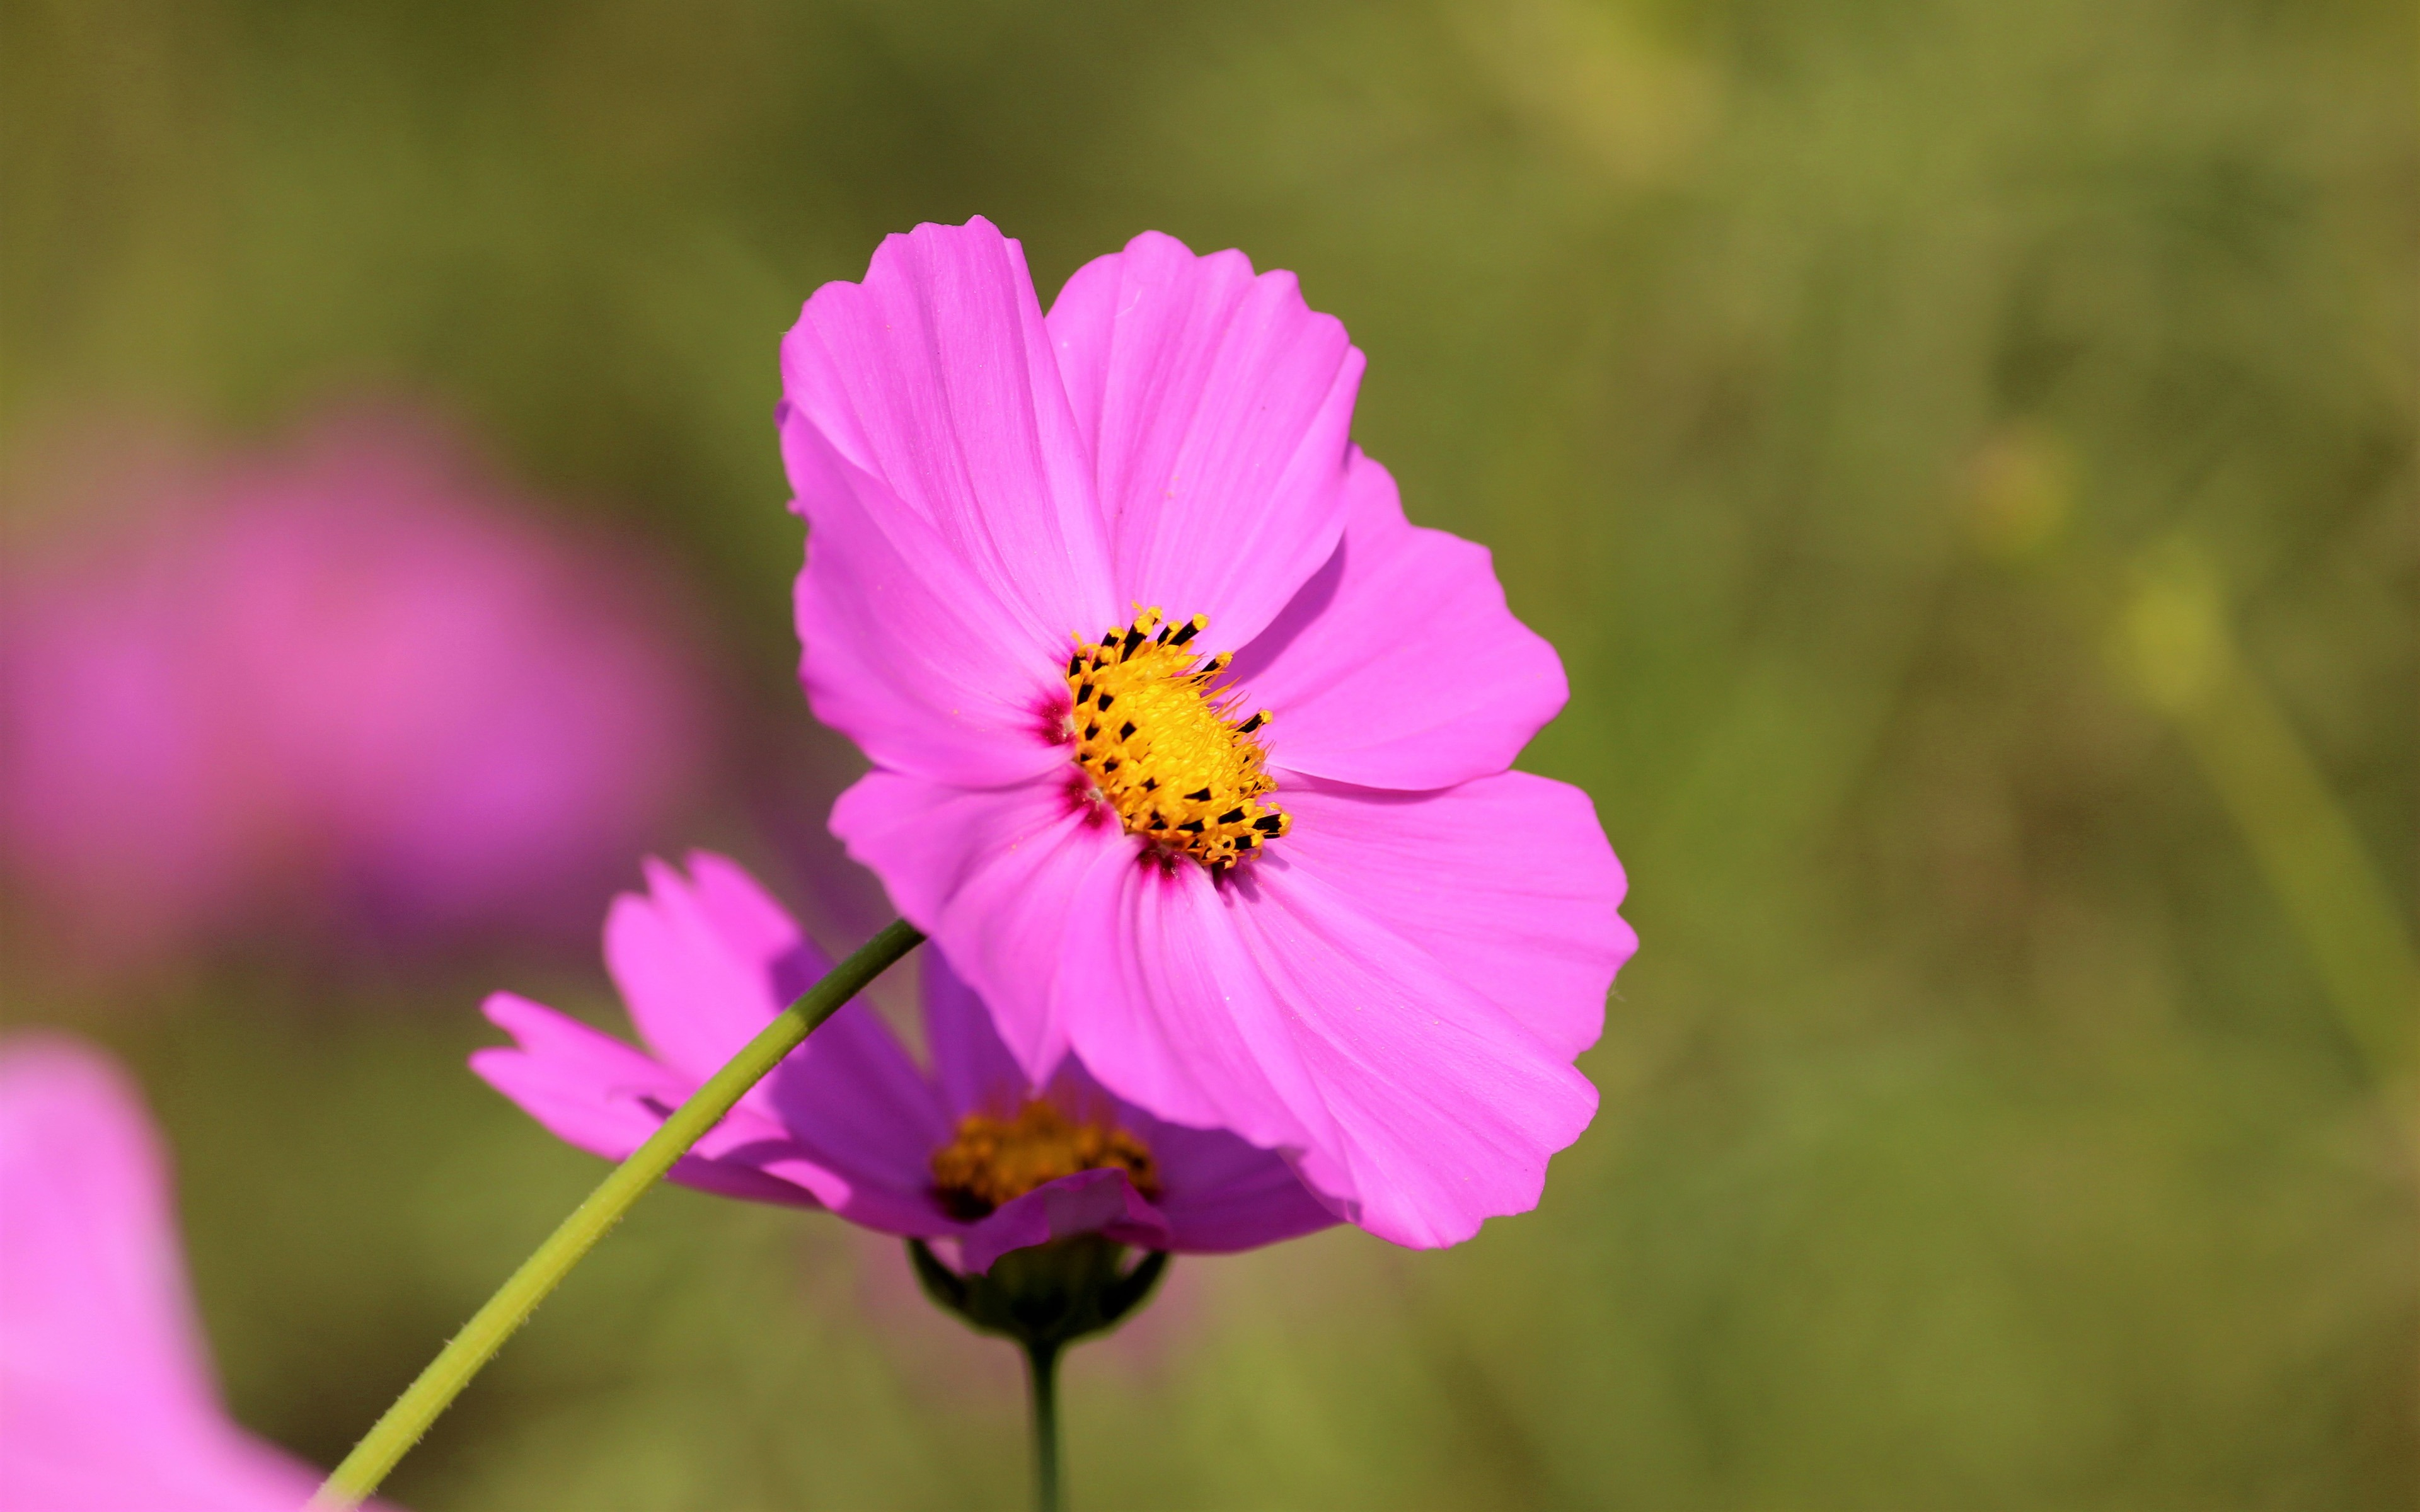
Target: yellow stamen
(1163,747)
(996,1160)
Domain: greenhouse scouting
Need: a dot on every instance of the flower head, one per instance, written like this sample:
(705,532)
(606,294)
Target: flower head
(1189,748)
(975,1150)
(347,679)
(106,1402)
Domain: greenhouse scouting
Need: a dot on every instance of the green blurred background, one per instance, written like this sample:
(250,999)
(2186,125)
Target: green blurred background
(1963,451)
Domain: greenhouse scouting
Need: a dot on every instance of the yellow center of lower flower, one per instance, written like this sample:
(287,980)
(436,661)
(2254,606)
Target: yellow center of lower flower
(1164,748)
(996,1160)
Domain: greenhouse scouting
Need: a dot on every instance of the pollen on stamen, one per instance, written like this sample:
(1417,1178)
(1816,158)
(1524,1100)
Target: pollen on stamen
(1176,733)
(991,1161)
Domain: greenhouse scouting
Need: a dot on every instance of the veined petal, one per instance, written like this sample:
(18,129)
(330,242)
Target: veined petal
(916,650)
(1088,1202)
(1165,1004)
(597,1094)
(1397,665)
(1275,1005)
(996,877)
(973,1066)
(1221,1194)
(705,963)
(936,376)
(1444,1107)
(1507,882)
(1216,407)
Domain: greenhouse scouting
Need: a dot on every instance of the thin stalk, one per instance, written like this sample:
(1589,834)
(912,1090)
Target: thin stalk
(471,1349)
(1042,1371)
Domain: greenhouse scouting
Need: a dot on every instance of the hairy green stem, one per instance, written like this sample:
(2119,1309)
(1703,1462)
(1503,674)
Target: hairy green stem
(470,1350)
(1042,1362)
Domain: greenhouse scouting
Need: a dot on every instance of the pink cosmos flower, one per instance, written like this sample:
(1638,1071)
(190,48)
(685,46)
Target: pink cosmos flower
(351,684)
(1188,747)
(977,1151)
(106,1403)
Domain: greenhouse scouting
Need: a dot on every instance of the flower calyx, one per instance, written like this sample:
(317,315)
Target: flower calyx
(1044,1296)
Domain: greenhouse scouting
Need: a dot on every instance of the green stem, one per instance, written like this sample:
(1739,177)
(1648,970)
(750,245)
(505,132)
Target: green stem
(1043,1363)
(470,1350)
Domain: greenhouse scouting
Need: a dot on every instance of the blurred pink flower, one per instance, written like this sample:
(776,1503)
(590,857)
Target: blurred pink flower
(352,682)
(106,1402)
(977,1151)
(1258,858)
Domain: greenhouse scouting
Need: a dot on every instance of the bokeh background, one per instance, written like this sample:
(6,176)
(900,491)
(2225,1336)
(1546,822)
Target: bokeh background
(1963,451)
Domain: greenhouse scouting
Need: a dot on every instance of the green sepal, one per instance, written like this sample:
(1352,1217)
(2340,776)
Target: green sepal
(1044,1296)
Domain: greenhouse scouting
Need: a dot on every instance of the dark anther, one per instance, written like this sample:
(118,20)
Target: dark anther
(1092,731)
(1230,816)
(1134,638)
(1162,636)
(1192,826)
(1110,765)
(1084,692)
(1269,823)
(1202,797)
(1075,664)
(1125,731)
(1109,639)
(1248,726)
(1193,627)
(1108,699)
(1151,784)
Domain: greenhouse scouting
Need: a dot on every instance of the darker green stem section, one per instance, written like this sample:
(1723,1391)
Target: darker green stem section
(1046,1297)
(1042,1371)
(469,1351)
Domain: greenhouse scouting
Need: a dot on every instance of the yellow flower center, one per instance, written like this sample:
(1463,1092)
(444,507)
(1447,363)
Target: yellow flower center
(996,1160)
(1164,748)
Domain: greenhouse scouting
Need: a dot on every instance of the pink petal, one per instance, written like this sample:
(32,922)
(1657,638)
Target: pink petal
(705,964)
(1507,883)
(973,1067)
(584,1086)
(1088,1202)
(1279,1006)
(1217,408)
(936,376)
(597,1094)
(105,1394)
(54,1457)
(96,1286)
(995,877)
(1445,1108)
(1397,665)
(1165,1004)
(860,1108)
(1221,1194)
(916,652)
